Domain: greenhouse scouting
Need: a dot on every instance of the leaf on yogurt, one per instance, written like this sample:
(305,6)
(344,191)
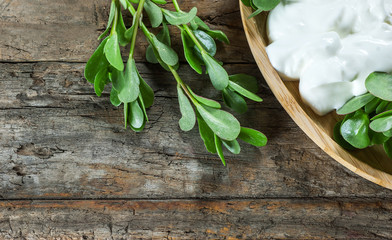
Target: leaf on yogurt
(355,103)
(380,85)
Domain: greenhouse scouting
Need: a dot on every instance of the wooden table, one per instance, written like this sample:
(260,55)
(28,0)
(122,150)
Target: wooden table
(69,170)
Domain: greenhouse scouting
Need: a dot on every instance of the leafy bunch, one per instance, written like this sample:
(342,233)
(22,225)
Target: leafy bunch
(368,117)
(217,127)
(260,5)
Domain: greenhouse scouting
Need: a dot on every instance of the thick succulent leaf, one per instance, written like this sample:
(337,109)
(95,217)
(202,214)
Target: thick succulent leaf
(206,134)
(355,130)
(154,13)
(190,56)
(219,150)
(222,123)
(179,18)
(380,85)
(253,137)
(101,79)
(113,53)
(218,75)
(188,119)
(96,62)
(232,146)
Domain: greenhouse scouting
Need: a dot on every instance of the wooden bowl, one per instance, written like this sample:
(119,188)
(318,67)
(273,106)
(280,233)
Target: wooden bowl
(371,163)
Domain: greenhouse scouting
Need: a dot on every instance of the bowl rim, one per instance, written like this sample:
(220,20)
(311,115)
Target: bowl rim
(297,113)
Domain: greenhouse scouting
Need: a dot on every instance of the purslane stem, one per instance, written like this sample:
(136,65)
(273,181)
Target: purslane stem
(193,37)
(142,26)
(182,84)
(115,20)
(136,27)
(146,32)
(176,6)
(188,30)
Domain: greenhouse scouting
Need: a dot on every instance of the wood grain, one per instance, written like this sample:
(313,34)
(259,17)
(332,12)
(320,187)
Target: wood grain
(44,30)
(59,140)
(371,163)
(197,219)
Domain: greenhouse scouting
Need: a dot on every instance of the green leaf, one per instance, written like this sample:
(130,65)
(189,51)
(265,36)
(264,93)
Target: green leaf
(388,147)
(253,137)
(136,115)
(355,130)
(112,52)
(164,35)
(121,29)
(232,146)
(388,107)
(166,53)
(266,5)
(179,18)
(255,13)
(206,134)
(218,75)
(372,105)
(159,60)
(159,1)
(130,31)
(118,80)
(355,104)
(383,114)
(124,3)
(218,146)
(388,133)
(246,2)
(222,123)
(377,137)
(253,5)
(146,92)
(114,97)
(206,41)
(203,100)
(128,85)
(380,85)
(337,136)
(126,114)
(382,124)
(245,81)
(101,79)
(198,23)
(111,17)
(234,101)
(190,56)
(381,107)
(154,13)
(150,55)
(143,107)
(188,119)
(244,92)
(219,35)
(96,62)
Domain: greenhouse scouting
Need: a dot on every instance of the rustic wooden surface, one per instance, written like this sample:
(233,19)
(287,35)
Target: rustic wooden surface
(68,169)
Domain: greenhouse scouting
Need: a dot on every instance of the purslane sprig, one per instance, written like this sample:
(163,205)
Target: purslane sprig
(368,117)
(260,5)
(217,127)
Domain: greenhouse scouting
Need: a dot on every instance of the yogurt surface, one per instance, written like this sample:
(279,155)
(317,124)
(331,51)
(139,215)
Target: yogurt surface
(331,46)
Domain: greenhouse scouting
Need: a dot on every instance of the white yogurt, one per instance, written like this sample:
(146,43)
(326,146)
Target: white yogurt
(331,46)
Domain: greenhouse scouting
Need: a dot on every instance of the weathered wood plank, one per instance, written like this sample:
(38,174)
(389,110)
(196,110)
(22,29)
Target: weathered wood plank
(197,219)
(60,141)
(50,31)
